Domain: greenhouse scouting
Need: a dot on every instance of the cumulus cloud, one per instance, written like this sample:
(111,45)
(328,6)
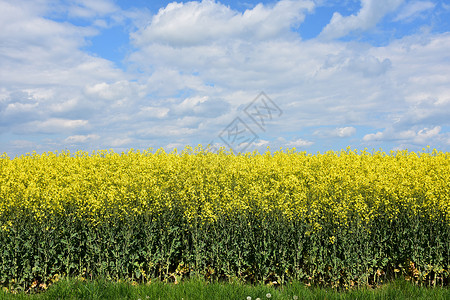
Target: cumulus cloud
(52,125)
(418,137)
(345,131)
(414,9)
(154,112)
(372,11)
(340,132)
(418,124)
(46,75)
(201,106)
(197,23)
(299,143)
(369,65)
(80,139)
(172,146)
(119,142)
(90,9)
(262,143)
(165,130)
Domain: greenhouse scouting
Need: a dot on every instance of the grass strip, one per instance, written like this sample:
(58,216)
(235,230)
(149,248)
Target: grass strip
(197,289)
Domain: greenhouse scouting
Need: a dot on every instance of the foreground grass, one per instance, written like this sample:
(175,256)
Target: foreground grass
(198,289)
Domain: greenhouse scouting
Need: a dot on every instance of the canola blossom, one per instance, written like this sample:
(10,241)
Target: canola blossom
(328,187)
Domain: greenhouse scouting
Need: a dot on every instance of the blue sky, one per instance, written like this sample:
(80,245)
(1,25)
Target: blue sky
(89,75)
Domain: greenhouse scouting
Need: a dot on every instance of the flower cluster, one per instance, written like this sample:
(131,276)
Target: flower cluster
(329,187)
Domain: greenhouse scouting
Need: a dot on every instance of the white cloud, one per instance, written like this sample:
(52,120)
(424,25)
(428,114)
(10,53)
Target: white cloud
(372,11)
(119,90)
(90,9)
(172,146)
(340,132)
(119,142)
(39,51)
(373,137)
(197,23)
(426,134)
(419,137)
(13,108)
(202,106)
(414,9)
(191,103)
(21,26)
(345,131)
(155,112)
(52,125)
(299,143)
(369,65)
(262,143)
(165,130)
(80,139)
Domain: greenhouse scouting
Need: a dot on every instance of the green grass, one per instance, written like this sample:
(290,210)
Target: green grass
(199,289)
